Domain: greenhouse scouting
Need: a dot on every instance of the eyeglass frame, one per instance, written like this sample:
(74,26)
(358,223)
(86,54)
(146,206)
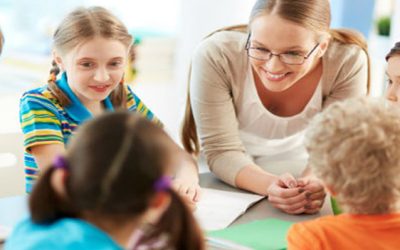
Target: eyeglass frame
(278,55)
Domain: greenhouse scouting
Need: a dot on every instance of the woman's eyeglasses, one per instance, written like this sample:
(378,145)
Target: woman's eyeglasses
(262,54)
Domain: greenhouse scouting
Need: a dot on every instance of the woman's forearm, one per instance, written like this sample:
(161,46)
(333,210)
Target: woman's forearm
(254,179)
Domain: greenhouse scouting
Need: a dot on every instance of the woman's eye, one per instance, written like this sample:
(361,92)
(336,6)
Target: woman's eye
(390,82)
(294,53)
(262,49)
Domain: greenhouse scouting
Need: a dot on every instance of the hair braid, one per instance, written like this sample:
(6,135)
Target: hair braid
(54,89)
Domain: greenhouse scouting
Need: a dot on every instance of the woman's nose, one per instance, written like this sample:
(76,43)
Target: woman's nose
(274,64)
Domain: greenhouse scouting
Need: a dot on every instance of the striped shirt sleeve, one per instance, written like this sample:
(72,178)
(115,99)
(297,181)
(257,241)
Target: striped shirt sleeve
(135,104)
(39,121)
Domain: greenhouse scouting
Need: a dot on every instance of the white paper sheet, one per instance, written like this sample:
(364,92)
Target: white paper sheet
(218,209)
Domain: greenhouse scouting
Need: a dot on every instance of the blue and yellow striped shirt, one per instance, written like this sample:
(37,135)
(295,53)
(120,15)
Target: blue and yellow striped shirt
(45,121)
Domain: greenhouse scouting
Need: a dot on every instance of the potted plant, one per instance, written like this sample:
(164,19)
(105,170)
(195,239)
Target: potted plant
(383,26)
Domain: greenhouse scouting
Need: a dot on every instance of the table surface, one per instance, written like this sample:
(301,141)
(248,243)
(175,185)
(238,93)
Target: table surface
(262,209)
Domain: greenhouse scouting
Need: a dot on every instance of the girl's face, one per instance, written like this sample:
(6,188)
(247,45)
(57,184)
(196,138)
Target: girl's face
(271,33)
(94,68)
(393,72)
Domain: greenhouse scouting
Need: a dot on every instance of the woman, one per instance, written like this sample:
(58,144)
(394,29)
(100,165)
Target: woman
(253,94)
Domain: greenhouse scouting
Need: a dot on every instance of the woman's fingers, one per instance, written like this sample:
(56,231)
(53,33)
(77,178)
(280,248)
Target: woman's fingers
(287,180)
(306,197)
(316,196)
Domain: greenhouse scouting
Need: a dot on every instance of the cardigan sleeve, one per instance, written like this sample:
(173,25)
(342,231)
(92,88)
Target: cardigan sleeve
(214,111)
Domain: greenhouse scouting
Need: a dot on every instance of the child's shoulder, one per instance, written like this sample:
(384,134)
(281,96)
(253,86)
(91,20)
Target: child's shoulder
(36,91)
(41,95)
(131,98)
(64,233)
(320,225)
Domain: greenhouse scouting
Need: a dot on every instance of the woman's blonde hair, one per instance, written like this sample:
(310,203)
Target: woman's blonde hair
(79,26)
(314,15)
(311,14)
(354,149)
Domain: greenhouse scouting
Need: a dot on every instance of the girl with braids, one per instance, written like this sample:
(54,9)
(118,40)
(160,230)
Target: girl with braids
(254,88)
(91,48)
(114,195)
(393,73)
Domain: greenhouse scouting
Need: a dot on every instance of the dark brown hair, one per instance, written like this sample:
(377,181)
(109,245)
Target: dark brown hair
(79,26)
(311,14)
(113,163)
(394,51)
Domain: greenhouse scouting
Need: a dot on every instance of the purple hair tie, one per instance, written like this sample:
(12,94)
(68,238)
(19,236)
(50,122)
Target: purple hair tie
(162,184)
(60,163)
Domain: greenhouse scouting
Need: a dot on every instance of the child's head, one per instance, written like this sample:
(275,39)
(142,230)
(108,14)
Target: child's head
(354,149)
(91,45)
(393,72)
(115,169)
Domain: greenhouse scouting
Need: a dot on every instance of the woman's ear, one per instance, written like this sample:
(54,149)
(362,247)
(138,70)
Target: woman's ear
(323,45)
(57,182)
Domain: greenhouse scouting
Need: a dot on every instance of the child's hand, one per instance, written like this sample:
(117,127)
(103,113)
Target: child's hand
(189,190)
(286,195)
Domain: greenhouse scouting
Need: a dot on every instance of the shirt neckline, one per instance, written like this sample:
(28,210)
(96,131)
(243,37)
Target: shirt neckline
(76,110)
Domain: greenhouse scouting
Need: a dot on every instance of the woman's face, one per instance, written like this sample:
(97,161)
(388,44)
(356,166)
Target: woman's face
(271,33)
(393,72)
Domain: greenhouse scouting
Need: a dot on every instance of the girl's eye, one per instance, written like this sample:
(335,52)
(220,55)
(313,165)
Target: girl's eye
(86,64)
(115,64)
(390,82)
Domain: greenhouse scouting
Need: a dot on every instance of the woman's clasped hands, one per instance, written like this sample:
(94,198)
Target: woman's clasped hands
(297,196)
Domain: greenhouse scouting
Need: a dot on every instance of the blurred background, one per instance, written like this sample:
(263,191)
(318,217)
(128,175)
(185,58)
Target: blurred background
(166,33)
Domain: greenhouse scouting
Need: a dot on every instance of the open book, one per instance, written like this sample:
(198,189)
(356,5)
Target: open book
(217,209)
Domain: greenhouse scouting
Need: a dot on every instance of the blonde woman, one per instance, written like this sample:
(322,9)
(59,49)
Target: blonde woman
(354,149)
(253,93)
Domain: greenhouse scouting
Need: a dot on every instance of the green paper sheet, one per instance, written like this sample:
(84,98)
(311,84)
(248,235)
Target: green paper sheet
(260,235)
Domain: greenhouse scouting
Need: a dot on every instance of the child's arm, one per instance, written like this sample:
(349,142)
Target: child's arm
(42,127)
(186,182)
(45,154)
